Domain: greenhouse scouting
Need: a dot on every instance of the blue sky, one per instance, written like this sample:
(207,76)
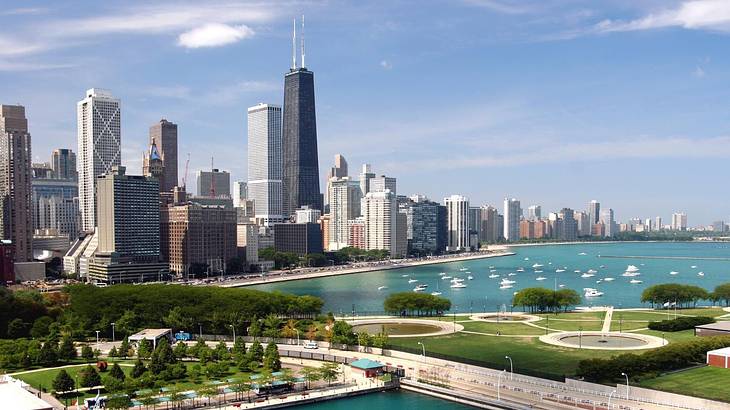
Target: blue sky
(553,102)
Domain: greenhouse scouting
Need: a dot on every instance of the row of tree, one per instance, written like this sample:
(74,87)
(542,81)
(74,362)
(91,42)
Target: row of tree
(541,299)
(684,295)
(415,304)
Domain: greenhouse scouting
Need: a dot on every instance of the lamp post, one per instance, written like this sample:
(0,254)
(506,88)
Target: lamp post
(97,339)
(627,384)
(511,368)
(609,399)
(580,337)
(456,309)
(113,338)
(200,328)
(234,333)
(423,350)
(297,330)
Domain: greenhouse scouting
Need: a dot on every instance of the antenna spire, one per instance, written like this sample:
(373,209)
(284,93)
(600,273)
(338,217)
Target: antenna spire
(303,66)
(294,47)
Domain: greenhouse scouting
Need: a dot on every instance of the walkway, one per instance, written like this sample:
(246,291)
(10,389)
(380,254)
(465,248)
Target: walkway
(607,320)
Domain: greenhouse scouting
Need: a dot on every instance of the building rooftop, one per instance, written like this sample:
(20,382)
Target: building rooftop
(12,396)
(366,364)
(724,326)
(720,352)
(150,334)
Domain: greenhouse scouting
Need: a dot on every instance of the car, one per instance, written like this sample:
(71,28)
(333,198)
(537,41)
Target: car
(311,345)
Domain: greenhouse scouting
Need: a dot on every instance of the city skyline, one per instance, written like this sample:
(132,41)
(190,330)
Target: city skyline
(634,174)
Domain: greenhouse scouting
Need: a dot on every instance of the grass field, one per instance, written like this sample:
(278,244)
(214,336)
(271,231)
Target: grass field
(502,328)
(571,325)
(708,382)
(575,315)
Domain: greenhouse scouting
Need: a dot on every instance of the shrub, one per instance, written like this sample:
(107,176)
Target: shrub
(680,323)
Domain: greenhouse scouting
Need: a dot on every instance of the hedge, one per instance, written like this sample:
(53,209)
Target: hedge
(680,323)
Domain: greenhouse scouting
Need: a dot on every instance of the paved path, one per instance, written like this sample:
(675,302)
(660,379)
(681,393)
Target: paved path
(607,320)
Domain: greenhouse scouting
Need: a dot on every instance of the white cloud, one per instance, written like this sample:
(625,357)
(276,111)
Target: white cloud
(30,66)
(503,6)
(694,14)
(386,64)
(213,35)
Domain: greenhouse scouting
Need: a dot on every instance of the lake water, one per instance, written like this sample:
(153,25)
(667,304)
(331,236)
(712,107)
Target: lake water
(400,399)
(482,293)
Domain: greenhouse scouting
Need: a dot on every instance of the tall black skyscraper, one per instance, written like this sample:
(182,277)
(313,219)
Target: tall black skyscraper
(300,159)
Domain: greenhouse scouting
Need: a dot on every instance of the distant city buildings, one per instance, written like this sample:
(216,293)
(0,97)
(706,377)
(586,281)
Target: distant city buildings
(240,193)
(63,164)
(214,183)
(344,204)
(608,224)
(679,221)
(534,212)
(512,216)
(366,176)
(457,208)
(265,172)
(379,211)
(163,135)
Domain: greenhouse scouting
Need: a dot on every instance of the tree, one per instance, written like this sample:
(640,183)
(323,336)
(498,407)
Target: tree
(87,353)
(138,369)
(117,372)
(48,354)
(221,351)
(128,323)
(240,386)
(89,377)
(161,357)
(124,348)
(181,350)
(565,298)
(271,326)
(67,350)
(255,329)
(144,349)
(722,292)
(683,295)
(290,329)
(119,402)
(413,303)
(239,348)
(112,384)
(256,352)
(342,333)
(16,329)
(312,332)
(206,392)
(310,374)
(329,371)
(177,319)
(113,352)
(272,360)
(63,382)
(40,327)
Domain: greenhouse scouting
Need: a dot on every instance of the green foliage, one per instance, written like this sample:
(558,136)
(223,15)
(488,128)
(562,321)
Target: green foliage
(117,372)
(683,295)
(310,374)
(680,323)
(329,371)
(89,377)
(67,350)
(63,382)
(221,351)
(281,260)
(272,323)
(342,334)
(87,353)
(124,348)
(413,303)
(144,349)
(155,306)
(722,293)
(161,357)
(541,299)
(17,329)
(256,352)
(120,402)
(180,350)
(239,348)
(272,360)
(351,254)
(138,369)
(40,327)
(674,356)
(48,354)
(18,310)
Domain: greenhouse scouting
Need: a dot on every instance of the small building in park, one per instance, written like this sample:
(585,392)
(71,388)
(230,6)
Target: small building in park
(719,358)
(367,368)
(153,335)
(713,329)
(13,396)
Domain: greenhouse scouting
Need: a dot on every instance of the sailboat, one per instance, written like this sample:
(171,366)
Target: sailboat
(382,287)
(436,292)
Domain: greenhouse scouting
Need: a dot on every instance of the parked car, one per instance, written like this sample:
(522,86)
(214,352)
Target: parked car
(311,345)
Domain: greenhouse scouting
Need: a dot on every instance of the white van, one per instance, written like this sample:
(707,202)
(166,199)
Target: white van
(311,345)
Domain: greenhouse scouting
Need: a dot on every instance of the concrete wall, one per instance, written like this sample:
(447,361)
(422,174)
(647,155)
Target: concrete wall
(30,271)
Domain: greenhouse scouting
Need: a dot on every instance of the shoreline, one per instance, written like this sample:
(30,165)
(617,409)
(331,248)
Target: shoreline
(364,269)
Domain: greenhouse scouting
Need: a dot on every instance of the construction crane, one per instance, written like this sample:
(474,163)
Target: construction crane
(185,177)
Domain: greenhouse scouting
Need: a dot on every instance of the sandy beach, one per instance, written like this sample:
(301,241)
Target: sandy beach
(284,276)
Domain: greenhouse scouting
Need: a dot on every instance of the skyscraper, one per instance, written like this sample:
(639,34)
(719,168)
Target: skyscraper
(265,162)
(382,182)
(679,221)
(163,134)
(379,211)
(16,216)
(344,199)
(337,171)
(609,224)
(594,212)
(214,183)
(240,193)
(458,222)
(512,216)
(365,177)
(99,139)
(492,229)
(534,212)
(63,163)
(301,164)
(152,165)
(658,223)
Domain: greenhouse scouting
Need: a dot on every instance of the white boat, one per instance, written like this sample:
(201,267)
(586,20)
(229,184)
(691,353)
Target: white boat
(632,268)
(587,275)
(457,280)
(494,275)
(470,277)
(538,271)
(693,266)
(492,270)
(561,286)
(592,271)
(412,280)
(462,269)
(540,278)
(491,267)
(593,293)
(442,274)
(700,273)
(507,282)
(537,265)
(405,276)
(582,254)
(382,287)
(520,269)
(630,274)
(635,281)
(445,277)
(420,288)
(673,272)
(608,279)
(599,281)
(527,259)
(506,286)
(511,274)
(559,270)
(577,271)
(436,293)
(468,271)
(458,285)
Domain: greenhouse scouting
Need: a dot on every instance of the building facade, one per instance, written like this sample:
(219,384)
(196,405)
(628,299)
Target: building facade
(302,239)
(16,213)
(512,217)
(214,183)
(458,223)
(265,166)
(163,134)
(379,211)
(679,221)
(63,164)
(344,203)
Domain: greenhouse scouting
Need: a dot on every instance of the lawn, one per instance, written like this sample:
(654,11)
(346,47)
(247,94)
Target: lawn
(44,378)
(708,382)
(529,354)
(571,325)
(671,336)
(502,328)
(575,315)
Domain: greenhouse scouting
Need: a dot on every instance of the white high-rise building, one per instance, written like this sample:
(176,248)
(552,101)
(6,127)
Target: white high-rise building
(534,212)
(379,211)
(512,216)
(381,183)
(594,212)
(99,147)
(240,193)
(265,166)
(365,177)
(609,223)
(343,196)
(307,215)
(457,211)
(679,221)
(658,223)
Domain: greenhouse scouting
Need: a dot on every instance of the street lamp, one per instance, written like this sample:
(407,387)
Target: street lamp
(423,350)
(511,368)
(200,327)
(113,338)
(627,384)
(297,330)
(609,399)
(234,333)
(97,339)
(580,337)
